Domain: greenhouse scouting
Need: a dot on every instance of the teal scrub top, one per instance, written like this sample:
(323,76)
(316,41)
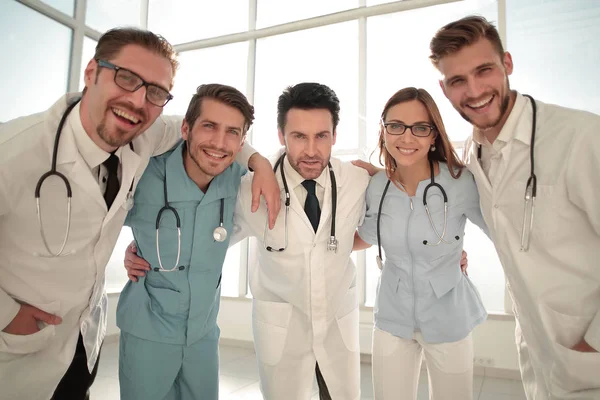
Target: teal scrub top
(178,307)
(422,287)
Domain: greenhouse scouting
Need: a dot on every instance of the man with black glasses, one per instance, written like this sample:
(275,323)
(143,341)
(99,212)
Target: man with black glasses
(58,229)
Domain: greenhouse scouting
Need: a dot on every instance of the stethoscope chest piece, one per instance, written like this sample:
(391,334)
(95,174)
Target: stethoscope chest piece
(379,262)
(220,233)
(332,245)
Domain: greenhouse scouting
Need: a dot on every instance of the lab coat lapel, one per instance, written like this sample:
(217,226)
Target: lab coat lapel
(75,168)
(129,165)
(298,208)
(475,166)
(326,207)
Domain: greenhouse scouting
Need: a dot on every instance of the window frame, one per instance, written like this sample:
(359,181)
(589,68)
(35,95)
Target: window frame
(360,13)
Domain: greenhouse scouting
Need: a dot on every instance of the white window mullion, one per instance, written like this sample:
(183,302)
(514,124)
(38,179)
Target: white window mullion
(77,46)
(250,81)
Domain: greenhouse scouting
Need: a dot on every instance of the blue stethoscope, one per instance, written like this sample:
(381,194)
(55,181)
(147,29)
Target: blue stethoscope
(128,205)
(219,233)
(441,237)
(530,187)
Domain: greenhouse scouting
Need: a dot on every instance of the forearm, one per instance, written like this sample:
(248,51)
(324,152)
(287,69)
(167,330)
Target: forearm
(359,244)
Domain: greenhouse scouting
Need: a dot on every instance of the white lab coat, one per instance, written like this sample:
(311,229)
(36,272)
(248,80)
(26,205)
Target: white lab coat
(72,287)
(305,307)
(555,286)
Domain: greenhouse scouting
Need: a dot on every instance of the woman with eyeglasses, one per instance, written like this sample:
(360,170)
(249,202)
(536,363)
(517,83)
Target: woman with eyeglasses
(425,305)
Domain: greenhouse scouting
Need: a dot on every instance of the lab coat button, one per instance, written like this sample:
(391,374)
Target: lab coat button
(314,245)
(495,205)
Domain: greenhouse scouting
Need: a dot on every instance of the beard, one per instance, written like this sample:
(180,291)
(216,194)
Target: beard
(205,169)
(503,110)
(119,138)
(306,172)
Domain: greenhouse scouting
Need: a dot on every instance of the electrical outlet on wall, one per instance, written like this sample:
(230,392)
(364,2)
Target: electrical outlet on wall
(483,361)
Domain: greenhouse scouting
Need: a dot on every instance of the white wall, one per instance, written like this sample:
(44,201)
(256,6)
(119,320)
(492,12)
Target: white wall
(494,339)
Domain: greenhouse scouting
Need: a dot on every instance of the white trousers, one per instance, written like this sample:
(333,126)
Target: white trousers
(397,365)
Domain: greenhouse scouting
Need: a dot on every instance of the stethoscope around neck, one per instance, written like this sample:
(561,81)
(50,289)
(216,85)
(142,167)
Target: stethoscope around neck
(219,233)
(128,205)
(440,236)
(332,243)
(530,187)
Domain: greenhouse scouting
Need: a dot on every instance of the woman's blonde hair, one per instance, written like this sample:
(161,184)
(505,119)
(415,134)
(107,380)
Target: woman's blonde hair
(444,151)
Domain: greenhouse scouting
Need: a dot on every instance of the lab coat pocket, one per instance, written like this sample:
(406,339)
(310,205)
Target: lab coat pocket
(571,370)
(347,320)
(270,322)
(445,280)
(28,344)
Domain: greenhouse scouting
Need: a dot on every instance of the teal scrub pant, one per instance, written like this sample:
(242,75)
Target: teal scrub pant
(158,371)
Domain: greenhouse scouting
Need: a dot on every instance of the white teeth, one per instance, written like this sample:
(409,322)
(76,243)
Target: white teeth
(407,151)
(215,154)
(481,103)
(123,114)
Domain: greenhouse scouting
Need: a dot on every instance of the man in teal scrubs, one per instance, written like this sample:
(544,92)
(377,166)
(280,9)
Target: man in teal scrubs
(168,319)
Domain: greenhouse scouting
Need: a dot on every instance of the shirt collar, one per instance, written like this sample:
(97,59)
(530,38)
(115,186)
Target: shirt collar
(294,178)
(90,152)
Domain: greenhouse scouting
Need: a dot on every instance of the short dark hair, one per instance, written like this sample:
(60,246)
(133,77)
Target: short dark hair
(308,96)
(456,35)
(225,94)
(110,44)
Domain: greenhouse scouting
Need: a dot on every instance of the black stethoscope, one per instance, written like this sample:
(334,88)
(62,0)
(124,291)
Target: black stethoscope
(441,237)
(531,187)
(219,233)
(127,205)
(332,244)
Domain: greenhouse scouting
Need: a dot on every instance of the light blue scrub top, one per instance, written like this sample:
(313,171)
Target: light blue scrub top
(178,307)
(422,287)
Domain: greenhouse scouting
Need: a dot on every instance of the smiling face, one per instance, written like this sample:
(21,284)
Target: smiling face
(475,80)
(308,137)
(407,149)
(112,116)
(213,141)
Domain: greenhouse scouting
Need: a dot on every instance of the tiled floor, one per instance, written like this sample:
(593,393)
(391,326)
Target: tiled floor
(239,379)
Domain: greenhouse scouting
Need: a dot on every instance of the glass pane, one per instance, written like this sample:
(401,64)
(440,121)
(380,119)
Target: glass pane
(561,36)
(392,66)
(103,15)
(275,12)
(223,64)
(89,49)
(116,274)
(182,23)
(327,55)
(64,6)
(35,62)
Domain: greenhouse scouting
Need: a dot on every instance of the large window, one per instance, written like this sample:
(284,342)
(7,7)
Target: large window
(554,45)
(183,21)
(35,62)
(314,55)
(103,15)
(362,49)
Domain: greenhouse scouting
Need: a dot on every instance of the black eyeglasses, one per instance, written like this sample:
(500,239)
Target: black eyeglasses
(130,81)
(398,128)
